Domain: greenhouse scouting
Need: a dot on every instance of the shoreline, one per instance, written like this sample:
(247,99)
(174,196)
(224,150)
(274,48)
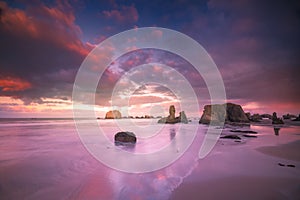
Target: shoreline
(246,171)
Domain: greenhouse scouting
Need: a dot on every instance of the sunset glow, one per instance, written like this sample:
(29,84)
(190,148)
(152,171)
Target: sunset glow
(44,44)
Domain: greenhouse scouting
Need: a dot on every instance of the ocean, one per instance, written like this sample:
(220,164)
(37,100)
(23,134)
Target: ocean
(57,159)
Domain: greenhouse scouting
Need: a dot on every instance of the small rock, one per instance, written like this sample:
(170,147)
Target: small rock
(291,166)
(280,164)
(125,137)
(235,137)
(241,131)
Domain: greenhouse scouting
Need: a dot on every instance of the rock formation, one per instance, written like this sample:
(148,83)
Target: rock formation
(232,113)
(183,118)
(125,137)
(113,114)
(297,118)
(266,116)
(255,118)
(276,120)
(171,119)
(289,116)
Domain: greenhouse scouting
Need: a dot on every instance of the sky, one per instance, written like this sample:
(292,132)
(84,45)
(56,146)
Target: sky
(255,45)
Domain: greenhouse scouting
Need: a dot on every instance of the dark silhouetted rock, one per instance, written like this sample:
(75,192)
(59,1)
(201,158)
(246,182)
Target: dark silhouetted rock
(276,120)
(255,118)
(232,113)
(289,116)
(171,119)
(235,137)
(268,116)
(125,137)
(297,119)
(280,164)
(113,114)
(290,165)
(243,131)
(248,115)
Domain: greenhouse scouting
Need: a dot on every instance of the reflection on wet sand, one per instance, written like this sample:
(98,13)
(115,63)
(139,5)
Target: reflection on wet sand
(276,131)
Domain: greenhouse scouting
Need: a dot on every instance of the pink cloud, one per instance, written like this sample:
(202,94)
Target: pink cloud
(52,24)
(12,84)
(126,14)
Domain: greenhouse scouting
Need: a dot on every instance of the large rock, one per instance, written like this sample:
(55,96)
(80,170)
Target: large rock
(232,113)
(125,137)
(113,114)
(171,119)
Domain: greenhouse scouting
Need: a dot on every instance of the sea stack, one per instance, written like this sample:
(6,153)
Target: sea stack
(113,114)
(171,119)
(276,120)
(228,113)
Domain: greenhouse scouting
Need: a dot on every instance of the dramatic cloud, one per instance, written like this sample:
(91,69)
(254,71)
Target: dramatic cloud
(9,84)
(255,45)
(40,46)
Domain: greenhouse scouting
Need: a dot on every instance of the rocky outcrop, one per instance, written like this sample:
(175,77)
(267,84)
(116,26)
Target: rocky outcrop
(297,118)
(232,113)
(183,118)
(289,116)
(113,114)
(255,118)
(276,120)
(171,119)
(125,137)
(266,116)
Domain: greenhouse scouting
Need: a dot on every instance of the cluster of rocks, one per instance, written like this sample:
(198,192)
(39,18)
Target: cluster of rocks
(228,113)
(115,114)
(289,116)
(276,120)
(171,119)
(254,118)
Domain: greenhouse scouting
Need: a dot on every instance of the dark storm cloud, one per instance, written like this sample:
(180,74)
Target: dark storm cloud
(255,44)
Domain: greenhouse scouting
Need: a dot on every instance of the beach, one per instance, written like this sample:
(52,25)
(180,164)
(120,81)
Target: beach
(45,159)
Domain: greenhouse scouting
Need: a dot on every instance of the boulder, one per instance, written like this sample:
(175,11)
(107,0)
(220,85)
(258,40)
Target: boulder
(215,114)
(276,120)
(125,137)
(113,114)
